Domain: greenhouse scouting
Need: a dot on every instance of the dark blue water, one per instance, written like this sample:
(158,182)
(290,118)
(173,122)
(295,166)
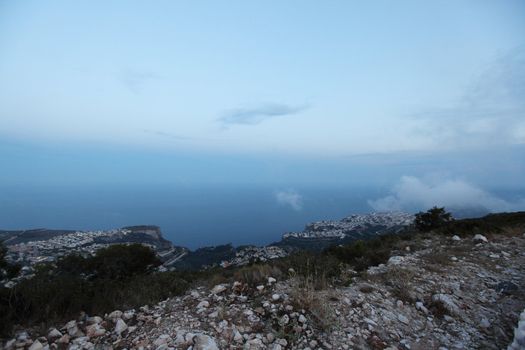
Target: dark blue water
(188,216)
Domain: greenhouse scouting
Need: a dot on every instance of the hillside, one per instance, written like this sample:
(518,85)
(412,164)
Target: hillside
(460,287)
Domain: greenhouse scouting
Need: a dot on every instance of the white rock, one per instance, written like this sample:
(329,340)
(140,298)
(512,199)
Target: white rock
(95,330)
(54,333)
(72,329)
(204,342)
(480,238)
(203,304)
(237,337)
(395,260)
(276,297)
(260,288)
(218,289)
(195,294)
(9,344)
(64,339)
(519,335)
(161,340)
(95,319)
(302,319)
(284,320)
(271,280)
(282,341)
(115,314)
(120,326)
(403,319)
(36,346)
(128,315)
(456,238)
(447,303)
(270,337)
(421,307)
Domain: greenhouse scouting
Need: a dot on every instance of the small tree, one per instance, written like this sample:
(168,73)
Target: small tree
(432,219)
(7,270)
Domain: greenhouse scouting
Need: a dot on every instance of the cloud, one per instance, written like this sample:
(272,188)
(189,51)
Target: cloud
(253,116)
(491,111)
(412,194)
(290,198)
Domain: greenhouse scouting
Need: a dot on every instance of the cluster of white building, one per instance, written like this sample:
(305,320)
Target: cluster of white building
(339,229)
(38,251)
(254,254)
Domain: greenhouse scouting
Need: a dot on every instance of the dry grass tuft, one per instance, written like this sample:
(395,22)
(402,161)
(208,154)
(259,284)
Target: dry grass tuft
(316,303)
(254,275)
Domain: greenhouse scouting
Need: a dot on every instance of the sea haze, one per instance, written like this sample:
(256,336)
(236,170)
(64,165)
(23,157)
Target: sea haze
(188,216)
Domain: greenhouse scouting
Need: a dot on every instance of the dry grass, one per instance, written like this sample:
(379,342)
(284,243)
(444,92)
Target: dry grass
(256,274)
(438,258)
(399,280)
(305,296)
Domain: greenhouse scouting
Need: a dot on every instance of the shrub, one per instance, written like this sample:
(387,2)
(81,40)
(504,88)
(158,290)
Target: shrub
(362,254)
(120,276)
(433,219)
(7,270)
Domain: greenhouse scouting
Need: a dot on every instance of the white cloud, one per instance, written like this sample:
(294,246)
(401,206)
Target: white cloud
(412,193)
(290,198)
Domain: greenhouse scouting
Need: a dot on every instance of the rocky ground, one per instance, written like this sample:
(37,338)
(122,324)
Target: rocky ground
(435,293)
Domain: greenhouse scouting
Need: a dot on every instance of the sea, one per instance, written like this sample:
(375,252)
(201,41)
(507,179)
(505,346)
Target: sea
(190,216)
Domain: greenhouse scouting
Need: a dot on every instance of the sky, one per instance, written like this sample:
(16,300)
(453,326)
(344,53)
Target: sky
(378,93)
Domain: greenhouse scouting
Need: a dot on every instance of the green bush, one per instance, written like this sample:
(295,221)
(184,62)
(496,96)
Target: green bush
(432,219)
(7,270)
(118,277)
(362,254)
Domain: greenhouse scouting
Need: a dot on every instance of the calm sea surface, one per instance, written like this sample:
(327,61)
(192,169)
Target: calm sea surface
(188,216)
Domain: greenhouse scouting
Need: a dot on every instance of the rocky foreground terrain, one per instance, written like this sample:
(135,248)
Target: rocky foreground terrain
(436,292)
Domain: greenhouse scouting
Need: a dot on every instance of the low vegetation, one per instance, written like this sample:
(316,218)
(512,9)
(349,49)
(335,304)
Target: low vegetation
(432,219)
(121,276)
(125,276)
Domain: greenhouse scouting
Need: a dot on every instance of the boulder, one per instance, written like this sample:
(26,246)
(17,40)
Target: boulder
(480,239)
(284,320)
(94,319)
(447,302)
(114,315)
(218,289)
(72,329)
(395,260)
(95,330)
(120,326)
(162,339)
(204,342)
(54,334)
(64,339)
(403,318)
(203,304)
(36,346)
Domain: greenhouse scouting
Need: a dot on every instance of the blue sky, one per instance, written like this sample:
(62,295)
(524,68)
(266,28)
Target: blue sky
(262,91)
